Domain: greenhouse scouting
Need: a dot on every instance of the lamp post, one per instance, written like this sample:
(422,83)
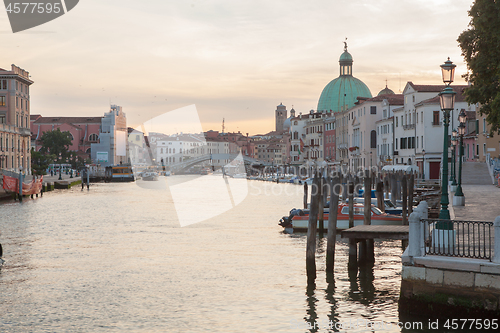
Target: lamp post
(447,101)
(71,170)
(453,179)
(459,198)
(423,166)
(60,160)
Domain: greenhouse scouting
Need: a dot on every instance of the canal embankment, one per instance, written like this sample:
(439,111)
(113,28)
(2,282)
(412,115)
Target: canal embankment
(454,267)
(49,184)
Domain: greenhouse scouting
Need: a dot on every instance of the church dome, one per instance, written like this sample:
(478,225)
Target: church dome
(386,91)
(342,92)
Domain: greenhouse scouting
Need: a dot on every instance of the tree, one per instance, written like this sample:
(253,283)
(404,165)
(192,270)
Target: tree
(40,162)
(480,46)
(56,142)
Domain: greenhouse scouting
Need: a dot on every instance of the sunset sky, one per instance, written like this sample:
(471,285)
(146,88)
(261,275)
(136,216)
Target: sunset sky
(236,60)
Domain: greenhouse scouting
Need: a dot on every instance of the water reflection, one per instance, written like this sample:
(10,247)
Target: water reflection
(311,317)
(333,315)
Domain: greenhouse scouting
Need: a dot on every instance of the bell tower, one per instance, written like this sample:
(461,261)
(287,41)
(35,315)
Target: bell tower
(280,115)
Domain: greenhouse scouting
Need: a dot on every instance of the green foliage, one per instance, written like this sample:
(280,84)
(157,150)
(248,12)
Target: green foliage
(480,46)
(40,162)
(56,142)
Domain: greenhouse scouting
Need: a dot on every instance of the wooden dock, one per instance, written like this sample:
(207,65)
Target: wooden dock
(365,234)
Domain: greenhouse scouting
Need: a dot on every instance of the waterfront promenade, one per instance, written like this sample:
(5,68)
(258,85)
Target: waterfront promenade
(481,197)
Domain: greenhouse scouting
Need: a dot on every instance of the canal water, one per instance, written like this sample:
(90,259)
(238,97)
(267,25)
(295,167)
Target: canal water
(115,259)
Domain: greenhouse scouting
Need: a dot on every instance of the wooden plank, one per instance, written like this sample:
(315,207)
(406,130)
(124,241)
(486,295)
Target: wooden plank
(377,231)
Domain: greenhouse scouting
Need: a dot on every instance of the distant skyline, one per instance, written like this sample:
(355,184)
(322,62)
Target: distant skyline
(236,60)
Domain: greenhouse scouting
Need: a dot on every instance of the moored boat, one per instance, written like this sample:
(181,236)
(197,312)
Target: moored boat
(299,219)
(150,176)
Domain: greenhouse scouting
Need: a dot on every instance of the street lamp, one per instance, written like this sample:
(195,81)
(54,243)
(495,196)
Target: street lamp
(459,199)
(71,159)
(60,160)
(423,167)
(447,101)
(454,141)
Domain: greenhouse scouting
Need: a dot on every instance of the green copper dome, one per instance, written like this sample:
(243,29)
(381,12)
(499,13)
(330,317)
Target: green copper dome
(346,56)
(342,92)
(385,91)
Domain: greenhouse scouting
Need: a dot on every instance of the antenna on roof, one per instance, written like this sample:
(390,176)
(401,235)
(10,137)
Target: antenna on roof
(222,125)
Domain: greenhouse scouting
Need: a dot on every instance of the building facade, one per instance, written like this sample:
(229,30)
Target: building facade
(15,106)
(112,148)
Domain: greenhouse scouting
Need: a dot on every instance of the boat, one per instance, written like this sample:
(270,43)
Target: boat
(299,218)
(149,176)
(119,173)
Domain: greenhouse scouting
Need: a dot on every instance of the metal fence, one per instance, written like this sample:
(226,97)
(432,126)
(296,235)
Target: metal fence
(466,239)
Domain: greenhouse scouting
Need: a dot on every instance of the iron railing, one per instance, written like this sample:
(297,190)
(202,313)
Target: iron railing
(466,239)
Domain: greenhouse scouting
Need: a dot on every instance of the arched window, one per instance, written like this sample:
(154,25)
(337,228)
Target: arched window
(88,151)
(93,137)
(373,139)
(71,135)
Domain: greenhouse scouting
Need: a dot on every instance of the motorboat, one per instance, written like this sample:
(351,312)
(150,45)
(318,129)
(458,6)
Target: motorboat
(299,218)
(150,176)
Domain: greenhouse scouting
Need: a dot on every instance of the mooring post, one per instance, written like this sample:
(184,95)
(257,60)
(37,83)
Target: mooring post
(20,186)
(321,204)
(305,195)
(411,183)
(311,232)
(393,184)
(368,243)
(368,199)
(332,222)
(380,196)
(351,203)
(353,254)
(404,190)
(404,186)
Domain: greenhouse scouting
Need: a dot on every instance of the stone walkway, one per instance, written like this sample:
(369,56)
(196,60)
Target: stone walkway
(482,199)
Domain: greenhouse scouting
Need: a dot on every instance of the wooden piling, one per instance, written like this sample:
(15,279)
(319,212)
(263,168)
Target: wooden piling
(380,196)
(393,181)
(353,255)
(311,232)
(305,195)
(411,184)
(350,193)
(332,223)
(321,204)
(368,199)
(404,189)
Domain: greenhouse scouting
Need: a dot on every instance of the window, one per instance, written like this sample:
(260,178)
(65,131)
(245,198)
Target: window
(4,85)
(93,137)
(396,122)
(373,139)
(373,109)
(2,100)
(484,125)
(435,118)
